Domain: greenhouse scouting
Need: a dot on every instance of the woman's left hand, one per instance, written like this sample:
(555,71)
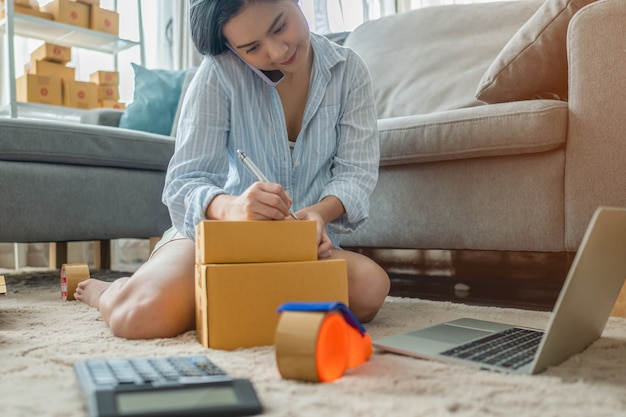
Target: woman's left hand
(324,245)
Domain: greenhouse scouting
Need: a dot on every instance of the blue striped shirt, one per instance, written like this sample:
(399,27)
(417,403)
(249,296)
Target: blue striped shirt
(229,107)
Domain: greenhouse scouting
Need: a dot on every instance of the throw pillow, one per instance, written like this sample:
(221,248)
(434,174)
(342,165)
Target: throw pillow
(155,100)
(533,64)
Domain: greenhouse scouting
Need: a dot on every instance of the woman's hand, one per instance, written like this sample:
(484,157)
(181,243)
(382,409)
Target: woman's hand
(324,245)
(260,201)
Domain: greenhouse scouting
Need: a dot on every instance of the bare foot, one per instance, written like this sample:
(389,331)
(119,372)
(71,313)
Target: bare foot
(90,291)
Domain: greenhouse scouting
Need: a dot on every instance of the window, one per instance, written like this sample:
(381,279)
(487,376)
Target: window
(326,16)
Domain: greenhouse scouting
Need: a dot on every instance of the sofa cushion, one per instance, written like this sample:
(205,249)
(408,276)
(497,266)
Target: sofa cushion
(500,129)
(431,59)
(155,100)
(76,144)
(533,64)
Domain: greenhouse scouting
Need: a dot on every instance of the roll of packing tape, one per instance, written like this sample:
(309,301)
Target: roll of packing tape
(71,275)
(319,344)
(3,286)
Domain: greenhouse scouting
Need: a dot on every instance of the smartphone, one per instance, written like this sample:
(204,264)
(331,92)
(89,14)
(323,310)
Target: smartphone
(273,78)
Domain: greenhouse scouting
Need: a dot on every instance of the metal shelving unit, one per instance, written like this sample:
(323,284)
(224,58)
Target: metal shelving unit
(21,25)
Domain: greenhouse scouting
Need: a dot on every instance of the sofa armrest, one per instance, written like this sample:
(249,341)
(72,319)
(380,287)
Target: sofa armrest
(102,117)
(596,142)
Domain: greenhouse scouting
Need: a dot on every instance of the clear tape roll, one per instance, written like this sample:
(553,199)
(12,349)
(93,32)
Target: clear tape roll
(71,275)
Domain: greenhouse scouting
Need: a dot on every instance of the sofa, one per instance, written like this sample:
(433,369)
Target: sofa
(63,182)
(524,171)
(502,128)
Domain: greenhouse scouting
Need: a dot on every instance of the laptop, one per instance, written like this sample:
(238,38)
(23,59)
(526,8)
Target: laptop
(578,319)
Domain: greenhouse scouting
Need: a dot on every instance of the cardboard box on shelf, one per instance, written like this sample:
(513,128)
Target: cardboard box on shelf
(68,11)
(105,20)
(80,94)
(90,2)
(220,241)
(236,303)
(109,104)
(105,77)
(52,52)
(32,4)
(108,92)
(50,68)
(27,10)
(33,88)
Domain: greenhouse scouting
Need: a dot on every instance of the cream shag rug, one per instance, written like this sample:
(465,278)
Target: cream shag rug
(41,336)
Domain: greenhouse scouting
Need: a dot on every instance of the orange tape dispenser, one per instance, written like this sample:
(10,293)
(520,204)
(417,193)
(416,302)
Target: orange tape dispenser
(319,342)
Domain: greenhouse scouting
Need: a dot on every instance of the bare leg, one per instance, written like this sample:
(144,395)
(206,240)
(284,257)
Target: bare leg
(156,301)
(368,284)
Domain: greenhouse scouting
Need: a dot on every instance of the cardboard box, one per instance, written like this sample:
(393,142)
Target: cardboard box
(31,4)
(105,20)
(27,3)
(108,104)
(52,52)
(236,303)
(42,89)
(90,2)
(68,11)
(108,92)
(50,68)
(247,241)
(27,10)
(105,77)
(80,94)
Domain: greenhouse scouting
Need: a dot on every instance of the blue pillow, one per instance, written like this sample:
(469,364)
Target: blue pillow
(155,100)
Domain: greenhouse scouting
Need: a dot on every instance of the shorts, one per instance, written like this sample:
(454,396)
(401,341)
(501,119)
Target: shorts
(168,236)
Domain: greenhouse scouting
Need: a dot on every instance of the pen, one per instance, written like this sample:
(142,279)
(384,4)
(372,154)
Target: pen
(257,173)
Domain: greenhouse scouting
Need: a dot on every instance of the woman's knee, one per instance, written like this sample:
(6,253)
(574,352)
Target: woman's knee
(153,314)
(158,300)
(369,285)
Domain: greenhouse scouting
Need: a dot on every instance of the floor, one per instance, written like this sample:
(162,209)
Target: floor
(526,280)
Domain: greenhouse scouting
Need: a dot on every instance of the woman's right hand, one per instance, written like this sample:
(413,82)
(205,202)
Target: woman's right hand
(260,201)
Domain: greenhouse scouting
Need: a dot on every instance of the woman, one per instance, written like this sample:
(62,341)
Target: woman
(302,109)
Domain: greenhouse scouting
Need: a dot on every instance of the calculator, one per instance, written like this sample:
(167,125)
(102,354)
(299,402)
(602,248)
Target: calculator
(186,385)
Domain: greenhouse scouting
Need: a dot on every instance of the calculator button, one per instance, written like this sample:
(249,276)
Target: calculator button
(209,368)
(124,372)
(100,373)
(145,370)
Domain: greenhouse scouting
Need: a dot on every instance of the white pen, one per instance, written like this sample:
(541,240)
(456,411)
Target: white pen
(257,173)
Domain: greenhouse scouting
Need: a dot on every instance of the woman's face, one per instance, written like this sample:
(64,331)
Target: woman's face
(270,35)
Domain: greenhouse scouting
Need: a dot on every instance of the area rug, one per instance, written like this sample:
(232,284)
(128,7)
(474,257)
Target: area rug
(41,336)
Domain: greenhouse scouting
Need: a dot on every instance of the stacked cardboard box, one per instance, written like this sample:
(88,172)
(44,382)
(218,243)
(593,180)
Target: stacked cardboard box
(69,12)
(51,60)
(84,13)
(29,7)
(43,77)
(103,20)
(48,80)
(108,89)
(246,269)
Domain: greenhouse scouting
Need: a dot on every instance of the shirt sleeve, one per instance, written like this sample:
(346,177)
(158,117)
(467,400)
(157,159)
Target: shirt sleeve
(198,169)
(355,165)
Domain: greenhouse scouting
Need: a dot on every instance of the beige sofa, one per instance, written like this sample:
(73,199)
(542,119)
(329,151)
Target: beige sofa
(523,173)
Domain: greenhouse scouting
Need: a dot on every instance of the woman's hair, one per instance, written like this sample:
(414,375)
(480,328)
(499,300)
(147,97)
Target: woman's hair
(208,17)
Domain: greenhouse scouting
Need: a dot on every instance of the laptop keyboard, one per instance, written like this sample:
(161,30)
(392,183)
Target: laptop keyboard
(509,349)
